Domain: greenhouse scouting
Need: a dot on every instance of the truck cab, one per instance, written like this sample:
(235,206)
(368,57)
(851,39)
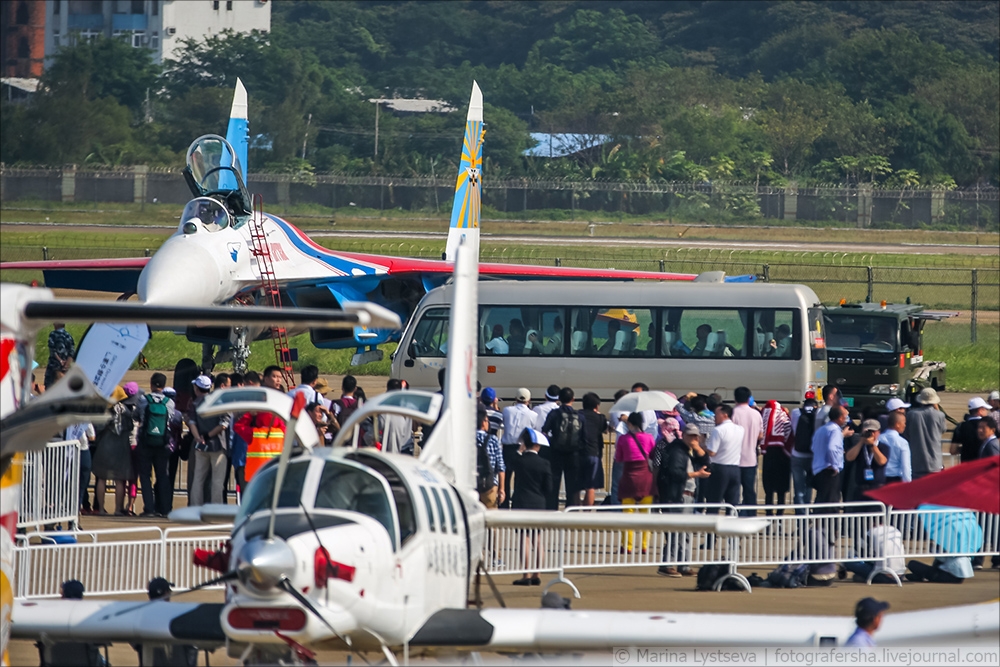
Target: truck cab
(875,352)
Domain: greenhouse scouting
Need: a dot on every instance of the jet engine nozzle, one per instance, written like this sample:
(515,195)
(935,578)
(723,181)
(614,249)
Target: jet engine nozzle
(262,564)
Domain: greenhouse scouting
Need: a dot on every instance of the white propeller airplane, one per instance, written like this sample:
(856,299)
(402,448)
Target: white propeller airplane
(353,549)
(28,425)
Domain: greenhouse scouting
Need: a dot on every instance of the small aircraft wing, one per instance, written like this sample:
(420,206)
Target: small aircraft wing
(709,523)
(593,630)
(159,622)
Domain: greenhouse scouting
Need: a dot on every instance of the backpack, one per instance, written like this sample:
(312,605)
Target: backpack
(566,432)
(347,405)
(804,431)
(484,469)
(708,575)
(154,422)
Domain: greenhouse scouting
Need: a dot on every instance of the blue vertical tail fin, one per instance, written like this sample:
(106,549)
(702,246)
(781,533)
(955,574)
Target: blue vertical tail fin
(237,134)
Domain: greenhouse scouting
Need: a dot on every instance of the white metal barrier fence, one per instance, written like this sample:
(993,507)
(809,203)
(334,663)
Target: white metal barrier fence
(116,561)
(824,533)
(50,485)
(122,561)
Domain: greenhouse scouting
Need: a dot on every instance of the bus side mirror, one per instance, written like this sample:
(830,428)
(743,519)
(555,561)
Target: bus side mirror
(411,353)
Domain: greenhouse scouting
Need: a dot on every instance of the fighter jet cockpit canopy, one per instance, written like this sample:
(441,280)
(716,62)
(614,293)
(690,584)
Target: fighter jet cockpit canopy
(207,211)
(213,170)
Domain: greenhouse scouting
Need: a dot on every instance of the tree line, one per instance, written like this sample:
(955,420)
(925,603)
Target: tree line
(899,94)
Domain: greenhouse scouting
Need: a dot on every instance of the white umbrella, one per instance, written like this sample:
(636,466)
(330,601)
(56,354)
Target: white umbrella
(639,401)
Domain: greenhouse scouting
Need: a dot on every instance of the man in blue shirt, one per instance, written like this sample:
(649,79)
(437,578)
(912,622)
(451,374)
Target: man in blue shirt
(898,468)
(868,615)
(828,455)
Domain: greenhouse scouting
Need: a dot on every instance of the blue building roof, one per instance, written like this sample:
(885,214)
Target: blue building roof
(561,144)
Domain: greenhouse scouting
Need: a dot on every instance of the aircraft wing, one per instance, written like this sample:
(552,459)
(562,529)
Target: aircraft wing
(594,630)
(401,265)
(94,275)
(710,523)
(159,622)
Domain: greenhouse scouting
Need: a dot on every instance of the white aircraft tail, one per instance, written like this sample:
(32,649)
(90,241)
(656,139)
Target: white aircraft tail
(452,445)
(468,190)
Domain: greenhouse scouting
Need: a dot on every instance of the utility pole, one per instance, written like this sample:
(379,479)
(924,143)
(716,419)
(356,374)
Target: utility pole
(306,137)
(378,103)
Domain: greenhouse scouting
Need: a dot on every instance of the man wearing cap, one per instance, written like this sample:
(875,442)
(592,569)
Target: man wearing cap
(994,400)
(677,467)
(161,654)
(493,493)
(925,425)
(898,469)
(209,445)
(69,653)
(551,403)
(515,418)
(892,405)
(868,457)
(965,439)
(868,615)
(488,397)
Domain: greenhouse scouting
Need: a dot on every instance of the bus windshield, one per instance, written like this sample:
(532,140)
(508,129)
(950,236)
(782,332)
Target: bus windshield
(861,332)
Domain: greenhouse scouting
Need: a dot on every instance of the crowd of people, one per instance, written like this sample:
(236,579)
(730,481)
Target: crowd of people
(702,451)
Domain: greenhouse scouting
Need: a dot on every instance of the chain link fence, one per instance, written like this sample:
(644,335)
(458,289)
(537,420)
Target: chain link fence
(973,291)
(974,209)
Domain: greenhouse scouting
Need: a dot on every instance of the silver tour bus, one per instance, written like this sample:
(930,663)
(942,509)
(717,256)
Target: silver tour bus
(603,336)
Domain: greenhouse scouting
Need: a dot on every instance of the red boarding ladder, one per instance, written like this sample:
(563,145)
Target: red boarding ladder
(260,249)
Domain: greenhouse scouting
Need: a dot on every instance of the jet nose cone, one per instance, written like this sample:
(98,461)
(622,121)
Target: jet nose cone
(181,273)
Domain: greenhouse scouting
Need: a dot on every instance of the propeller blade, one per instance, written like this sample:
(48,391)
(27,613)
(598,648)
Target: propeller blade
(286,452)
(211,582)
(287,586)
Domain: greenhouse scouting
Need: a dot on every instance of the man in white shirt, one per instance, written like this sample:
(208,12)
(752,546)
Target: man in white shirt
(831,398)
(551,403)
(753,430)
(310,374)
(724,446)
(516,418)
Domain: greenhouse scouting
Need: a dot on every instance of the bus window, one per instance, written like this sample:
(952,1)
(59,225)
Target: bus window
(521,331)
(704,332)
(775,335)
(817,335)
(430,339)
(611,332)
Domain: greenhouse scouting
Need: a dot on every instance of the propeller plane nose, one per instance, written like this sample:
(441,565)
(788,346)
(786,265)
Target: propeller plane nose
(263,564)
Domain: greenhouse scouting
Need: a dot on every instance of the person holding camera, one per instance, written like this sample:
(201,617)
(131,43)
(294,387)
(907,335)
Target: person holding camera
(867,458)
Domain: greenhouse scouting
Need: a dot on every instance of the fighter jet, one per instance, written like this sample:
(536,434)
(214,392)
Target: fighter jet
(226,249)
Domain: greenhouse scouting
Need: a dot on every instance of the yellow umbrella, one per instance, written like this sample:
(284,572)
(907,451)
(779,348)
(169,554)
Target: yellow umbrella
(620,315)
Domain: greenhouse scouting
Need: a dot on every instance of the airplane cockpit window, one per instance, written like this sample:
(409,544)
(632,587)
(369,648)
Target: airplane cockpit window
(343,487)
(261,492)
(208,211)
(214,168)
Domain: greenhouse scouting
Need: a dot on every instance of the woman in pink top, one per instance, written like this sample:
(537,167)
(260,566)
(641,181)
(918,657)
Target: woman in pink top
(637,485)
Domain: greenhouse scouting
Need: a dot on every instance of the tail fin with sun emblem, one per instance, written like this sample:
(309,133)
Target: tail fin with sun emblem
(468,189)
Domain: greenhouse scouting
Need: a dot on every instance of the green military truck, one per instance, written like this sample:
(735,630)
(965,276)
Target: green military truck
(876,351)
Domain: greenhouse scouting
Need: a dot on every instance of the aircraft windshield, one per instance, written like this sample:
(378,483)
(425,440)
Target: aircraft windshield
(861,332)
(260,493)
(343,487)
(211,161)
(209,212)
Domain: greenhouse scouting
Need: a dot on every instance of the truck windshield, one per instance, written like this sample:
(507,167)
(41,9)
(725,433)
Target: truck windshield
(862,332)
